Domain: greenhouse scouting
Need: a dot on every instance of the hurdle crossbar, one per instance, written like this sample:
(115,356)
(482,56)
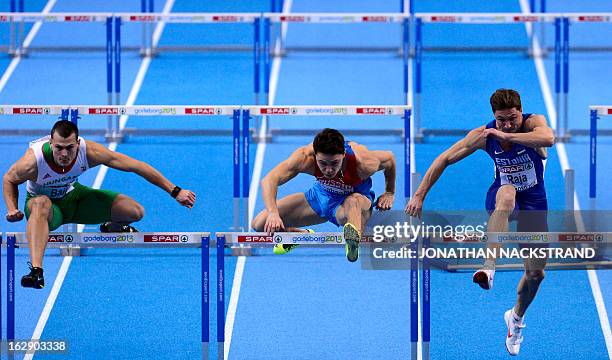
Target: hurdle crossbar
(194,18)
(405,111)
(276,48)
(480,18)
(16,39)
(121,240)
(113,45)
(605,264)
(121,112)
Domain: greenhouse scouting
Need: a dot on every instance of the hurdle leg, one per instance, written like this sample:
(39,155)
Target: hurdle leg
(414,301)
(220,298)
(205,297)
(10,291)
(425,331)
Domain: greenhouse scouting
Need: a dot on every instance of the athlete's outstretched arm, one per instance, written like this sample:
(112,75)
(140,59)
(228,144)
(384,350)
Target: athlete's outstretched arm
(283,172)
(379,160)
(21,171)
(539,134)
(98,154)
(474,140)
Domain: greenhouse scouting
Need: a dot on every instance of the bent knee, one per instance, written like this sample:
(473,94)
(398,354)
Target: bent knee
(40,205)
(357,201)
(138,212)
(259,221)
(505,198)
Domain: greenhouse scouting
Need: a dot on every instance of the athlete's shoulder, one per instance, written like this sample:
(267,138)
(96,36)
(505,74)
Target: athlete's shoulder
(26,168)
(96,153)
(305,151)
(534,120)
(302,159)
(357,147)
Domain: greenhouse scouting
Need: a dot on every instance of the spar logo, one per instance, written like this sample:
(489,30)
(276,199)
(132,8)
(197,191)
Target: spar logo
(526,18)
(277,111)
(591,18)
(293,18)
(577,237)
(142,18)
(202,111)
(225,18)
(373,111)
(444,19)
(77,18)
(56,239)
(31,110)
(374,19)
(166,238)
(106,111)
(254,238)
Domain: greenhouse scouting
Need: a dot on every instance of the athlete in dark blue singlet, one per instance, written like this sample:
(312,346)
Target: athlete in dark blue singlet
(517,144)
(522,167)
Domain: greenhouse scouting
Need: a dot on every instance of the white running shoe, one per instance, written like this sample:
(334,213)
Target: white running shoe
(515,337)
(484,278)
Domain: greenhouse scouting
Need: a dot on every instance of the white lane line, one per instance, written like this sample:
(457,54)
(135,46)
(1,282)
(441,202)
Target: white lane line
(26,43)
(57,285)
(563,159)
(253,192)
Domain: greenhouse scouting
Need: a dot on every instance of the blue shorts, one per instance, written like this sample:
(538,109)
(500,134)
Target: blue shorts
(325,203)
(530,211)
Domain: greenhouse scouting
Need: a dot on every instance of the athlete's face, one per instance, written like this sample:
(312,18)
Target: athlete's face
(329,164)
(508,120)
(64,149)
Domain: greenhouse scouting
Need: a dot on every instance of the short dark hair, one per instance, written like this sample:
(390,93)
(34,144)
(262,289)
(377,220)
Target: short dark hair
(505,99)
(65,128)
(329,142)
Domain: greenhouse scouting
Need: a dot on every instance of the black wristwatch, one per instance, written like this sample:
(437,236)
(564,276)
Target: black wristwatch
(175,192)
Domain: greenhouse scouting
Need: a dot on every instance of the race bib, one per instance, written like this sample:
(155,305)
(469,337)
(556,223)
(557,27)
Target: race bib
(521,176)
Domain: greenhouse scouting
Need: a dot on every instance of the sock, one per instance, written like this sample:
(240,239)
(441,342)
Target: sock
(517,318)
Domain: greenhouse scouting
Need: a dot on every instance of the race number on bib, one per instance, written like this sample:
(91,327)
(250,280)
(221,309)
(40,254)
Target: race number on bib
(522,176)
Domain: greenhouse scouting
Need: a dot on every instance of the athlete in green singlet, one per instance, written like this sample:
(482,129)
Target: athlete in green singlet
(51,166)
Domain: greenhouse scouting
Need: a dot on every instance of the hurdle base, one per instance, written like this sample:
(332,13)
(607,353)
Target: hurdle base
(70,251)
(242,251)
(543,53)
(148,52)
(266,138)
(419,137)
(21,53)
(114,137)
(282,52)
(563,138)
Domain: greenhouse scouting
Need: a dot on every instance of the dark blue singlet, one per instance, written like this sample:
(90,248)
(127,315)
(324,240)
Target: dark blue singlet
(522,167)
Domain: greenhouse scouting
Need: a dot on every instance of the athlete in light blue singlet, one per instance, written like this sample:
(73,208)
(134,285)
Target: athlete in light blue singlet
(517,144)
(341,193)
